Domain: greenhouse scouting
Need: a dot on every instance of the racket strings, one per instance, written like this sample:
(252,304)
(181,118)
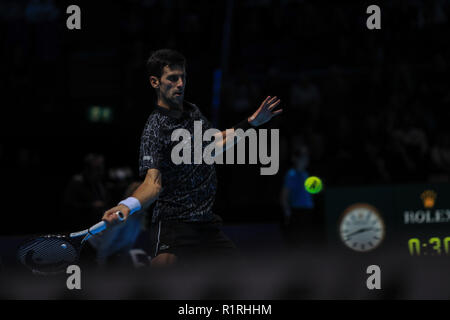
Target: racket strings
(47,254)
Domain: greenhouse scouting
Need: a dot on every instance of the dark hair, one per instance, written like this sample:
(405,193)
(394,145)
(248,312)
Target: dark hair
(164,57)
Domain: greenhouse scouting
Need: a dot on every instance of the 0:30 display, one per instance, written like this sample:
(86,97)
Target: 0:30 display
(433,247)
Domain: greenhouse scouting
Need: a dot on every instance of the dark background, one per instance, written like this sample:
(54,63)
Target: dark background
(371,105)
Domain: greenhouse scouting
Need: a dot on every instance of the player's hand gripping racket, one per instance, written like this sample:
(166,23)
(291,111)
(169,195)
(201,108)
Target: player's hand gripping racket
(51,254)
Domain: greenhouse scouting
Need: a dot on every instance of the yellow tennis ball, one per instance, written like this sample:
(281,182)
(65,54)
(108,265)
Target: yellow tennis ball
(313,184)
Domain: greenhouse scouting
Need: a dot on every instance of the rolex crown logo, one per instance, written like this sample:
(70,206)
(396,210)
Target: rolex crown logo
(428,197)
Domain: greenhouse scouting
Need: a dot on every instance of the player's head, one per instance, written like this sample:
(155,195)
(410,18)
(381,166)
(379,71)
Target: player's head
(300,157)
(167,74)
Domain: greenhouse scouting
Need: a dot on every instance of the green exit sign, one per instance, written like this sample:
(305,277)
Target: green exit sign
(100,114)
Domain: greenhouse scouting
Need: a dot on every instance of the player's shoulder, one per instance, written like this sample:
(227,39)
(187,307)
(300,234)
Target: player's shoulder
(155,117)
(197,113)
(155,121)
(153,125)
(191,104)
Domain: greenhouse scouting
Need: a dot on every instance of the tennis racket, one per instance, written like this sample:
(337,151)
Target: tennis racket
(53,253)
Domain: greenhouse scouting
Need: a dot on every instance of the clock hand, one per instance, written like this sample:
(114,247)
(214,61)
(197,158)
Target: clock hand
(358,231)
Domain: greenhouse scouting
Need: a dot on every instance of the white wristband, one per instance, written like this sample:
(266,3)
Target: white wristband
(132,203)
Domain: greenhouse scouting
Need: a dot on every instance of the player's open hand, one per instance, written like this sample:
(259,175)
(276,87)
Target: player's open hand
(265,112)
(111,216)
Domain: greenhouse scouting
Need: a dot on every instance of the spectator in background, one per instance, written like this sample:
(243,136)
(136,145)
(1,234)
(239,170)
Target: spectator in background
(296,202)
(241,103)
(337,86)
(241,95)
(119,179)
(305,100)
(304,93)
(403,79)
(440,159)
(400,164)
(41,10)
(439,15)
(373,165)
(315,140)
(414,143)
(86,196)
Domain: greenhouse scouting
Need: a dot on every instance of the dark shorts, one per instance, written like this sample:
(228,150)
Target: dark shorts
(191,240)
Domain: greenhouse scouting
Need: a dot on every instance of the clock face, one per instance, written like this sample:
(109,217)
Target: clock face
(361,227)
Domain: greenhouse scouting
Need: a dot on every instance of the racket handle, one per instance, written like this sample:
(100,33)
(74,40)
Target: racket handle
(99,227)
(96,228)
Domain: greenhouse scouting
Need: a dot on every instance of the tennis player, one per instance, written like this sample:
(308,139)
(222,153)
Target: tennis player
(183,223)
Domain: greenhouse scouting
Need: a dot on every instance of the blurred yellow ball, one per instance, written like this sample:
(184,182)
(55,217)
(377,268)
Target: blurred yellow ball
(313,184)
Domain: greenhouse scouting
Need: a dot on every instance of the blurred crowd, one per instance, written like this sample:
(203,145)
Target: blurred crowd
(371,106)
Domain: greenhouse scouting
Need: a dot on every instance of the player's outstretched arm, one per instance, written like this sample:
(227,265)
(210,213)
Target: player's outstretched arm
(146,193)
(263,114)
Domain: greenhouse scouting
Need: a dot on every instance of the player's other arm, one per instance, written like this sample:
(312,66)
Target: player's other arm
(146,193)
(263,114)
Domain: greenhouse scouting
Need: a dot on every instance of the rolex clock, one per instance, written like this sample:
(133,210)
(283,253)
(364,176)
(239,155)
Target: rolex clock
(361,227)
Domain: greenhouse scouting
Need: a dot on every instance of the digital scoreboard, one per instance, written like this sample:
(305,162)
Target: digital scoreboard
(414,219)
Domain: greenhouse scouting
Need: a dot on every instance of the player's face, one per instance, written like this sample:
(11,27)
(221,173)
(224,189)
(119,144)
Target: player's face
(172,84)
